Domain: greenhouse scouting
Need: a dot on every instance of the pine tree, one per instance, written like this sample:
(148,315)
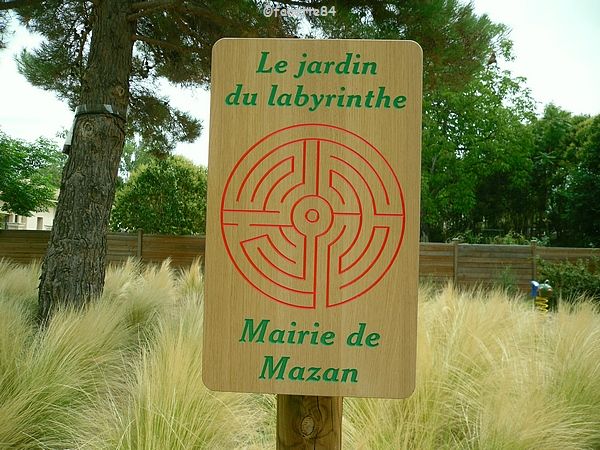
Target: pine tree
(105,57)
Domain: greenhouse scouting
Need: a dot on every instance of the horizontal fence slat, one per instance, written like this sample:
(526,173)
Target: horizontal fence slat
(503,262)
(572,254)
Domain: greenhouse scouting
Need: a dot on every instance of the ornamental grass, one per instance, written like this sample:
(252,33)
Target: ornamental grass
(125,373)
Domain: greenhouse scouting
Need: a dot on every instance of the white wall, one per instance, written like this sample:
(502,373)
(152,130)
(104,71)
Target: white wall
(37,221)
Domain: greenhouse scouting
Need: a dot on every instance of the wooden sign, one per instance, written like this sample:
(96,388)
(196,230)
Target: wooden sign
(313,217)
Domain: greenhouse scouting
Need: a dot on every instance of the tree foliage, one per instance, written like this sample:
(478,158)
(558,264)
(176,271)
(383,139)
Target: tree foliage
(489,165)
(476,146)
(29,174)
(4,20)
(456,42)
(165,196)
(552,133)
(584,207)
(173,41)
(134,155)
(574,210)
(548,184)
(476,152)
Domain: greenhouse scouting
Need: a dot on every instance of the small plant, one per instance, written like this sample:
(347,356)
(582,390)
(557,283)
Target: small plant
(507,280)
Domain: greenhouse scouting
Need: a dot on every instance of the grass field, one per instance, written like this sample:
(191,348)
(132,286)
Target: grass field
(126,374)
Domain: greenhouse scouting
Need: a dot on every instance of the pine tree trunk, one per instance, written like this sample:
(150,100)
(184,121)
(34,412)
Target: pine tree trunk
(74,267)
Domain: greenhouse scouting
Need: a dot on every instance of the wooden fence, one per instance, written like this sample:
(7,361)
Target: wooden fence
(26,246)
(465,264)
(468,264)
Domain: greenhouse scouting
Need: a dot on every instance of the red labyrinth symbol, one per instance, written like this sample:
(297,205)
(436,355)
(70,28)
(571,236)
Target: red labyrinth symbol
(312,216)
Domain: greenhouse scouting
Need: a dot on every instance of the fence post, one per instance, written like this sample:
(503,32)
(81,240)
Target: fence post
(534,259)
(455,243)
(140,243)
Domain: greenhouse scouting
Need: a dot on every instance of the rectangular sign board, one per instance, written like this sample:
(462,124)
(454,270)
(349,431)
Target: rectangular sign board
(313,217)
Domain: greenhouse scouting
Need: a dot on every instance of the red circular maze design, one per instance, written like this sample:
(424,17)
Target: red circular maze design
(312,216)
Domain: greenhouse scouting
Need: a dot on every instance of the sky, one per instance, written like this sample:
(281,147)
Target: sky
(556,48)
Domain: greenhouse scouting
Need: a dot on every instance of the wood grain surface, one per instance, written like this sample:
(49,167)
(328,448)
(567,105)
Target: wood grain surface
(312,252)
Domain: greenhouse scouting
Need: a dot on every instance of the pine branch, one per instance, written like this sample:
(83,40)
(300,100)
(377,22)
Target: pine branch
(150,4)
(205,13)
(158,43)
(144,9)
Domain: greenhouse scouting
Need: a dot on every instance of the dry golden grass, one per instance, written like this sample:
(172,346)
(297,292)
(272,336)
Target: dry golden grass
(492,374)
(125,373)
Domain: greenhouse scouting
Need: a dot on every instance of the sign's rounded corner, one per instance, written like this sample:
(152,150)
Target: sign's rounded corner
(411,388)
(222,41)
(416,46)
(208,382)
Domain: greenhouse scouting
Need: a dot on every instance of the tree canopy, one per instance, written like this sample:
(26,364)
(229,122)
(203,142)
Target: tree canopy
(29,174)
(475,151)
(165,196)
(457,44)
(171,40)
(476,154)
(570,157)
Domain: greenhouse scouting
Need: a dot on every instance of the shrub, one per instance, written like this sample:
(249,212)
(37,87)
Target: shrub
(510,238)
(572,281)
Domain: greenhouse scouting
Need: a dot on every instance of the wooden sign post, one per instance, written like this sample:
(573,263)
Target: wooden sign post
(313,218)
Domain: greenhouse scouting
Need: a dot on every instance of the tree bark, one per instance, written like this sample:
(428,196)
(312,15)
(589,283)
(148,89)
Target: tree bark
(74,267)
